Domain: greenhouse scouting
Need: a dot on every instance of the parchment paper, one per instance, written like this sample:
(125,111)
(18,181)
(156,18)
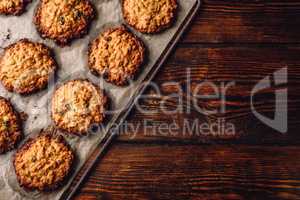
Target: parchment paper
(72,63)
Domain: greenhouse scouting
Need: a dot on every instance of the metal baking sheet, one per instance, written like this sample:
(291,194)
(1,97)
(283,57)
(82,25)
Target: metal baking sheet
(72,61)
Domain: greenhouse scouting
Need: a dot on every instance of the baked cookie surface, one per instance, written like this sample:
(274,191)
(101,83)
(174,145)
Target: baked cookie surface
(117,55)
(26,67)
(43,163)
(78,105)
(63,21)
(13,7)
(149,16)
(10,126)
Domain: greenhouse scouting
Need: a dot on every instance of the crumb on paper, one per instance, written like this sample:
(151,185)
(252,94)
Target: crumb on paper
(5,36)
(24,116)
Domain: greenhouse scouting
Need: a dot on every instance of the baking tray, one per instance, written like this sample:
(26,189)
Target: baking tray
(112,134)
(89,149)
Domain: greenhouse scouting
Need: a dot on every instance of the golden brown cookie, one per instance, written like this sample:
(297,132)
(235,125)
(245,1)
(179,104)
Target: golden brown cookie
(43,163)
(149,16)
(117,55)
(13,7)
(78,105)
(26,67)
(63,21)
(10,126)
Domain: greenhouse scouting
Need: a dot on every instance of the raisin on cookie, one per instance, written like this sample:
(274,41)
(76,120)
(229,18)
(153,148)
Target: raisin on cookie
(63,21)
(116,55)
(77,106)
(26,67)
(149,16)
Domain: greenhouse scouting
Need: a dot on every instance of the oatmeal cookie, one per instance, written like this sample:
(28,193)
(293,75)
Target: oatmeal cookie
(10,126)
(149,16)
(26,67)
(43,163)
(78,105)
(13,7)
(63,21)
(117,55)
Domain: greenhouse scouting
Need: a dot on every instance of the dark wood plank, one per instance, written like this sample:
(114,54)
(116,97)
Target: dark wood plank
(195,172)
(245,66)
(246,21)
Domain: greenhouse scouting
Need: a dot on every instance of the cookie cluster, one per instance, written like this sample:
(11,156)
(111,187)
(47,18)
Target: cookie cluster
(26,67)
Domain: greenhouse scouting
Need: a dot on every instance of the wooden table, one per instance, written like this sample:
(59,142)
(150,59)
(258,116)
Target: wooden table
(234,40)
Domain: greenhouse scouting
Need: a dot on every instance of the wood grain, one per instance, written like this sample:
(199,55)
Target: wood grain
(195,172)
(246,21)
(245,66)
